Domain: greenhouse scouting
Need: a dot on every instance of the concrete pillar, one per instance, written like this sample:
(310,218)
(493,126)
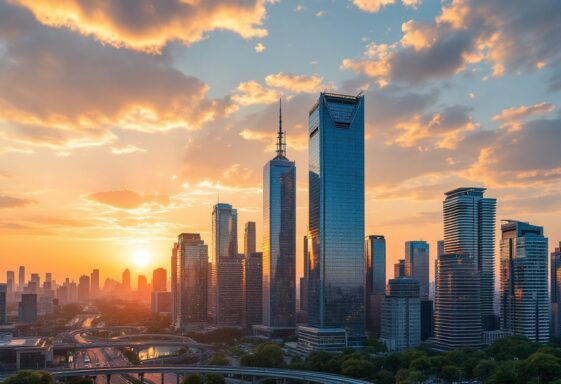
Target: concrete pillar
(162,381)
(108,378)
(141,377)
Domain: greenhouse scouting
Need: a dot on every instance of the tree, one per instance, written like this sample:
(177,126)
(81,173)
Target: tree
(213,378)
(512,347)
(484,369)
(218,359)
(193,379)
(30,377)
(450,373)
(421,364)
(407,356)
(360,369)
(543,366)
(505,374)
(269,355)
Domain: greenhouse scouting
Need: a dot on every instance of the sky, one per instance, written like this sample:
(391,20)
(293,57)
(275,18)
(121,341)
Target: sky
(123,122)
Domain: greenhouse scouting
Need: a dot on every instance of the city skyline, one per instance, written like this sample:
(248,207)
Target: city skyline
(93,181)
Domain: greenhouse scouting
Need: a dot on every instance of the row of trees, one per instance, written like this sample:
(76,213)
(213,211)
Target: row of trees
(39,377)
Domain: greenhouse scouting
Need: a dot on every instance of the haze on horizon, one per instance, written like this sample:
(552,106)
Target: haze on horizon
(121,124)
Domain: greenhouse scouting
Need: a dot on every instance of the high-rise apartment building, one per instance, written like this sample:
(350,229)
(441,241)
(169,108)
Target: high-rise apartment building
(226,291)
(523,285)
(249,238)
(3,304)
(159,280)
(94,283)
(84,288)
(10,282)
(417,265)
(175,287)
(469,228)
(253,289)
(401,315)
(336,316)
(21,278)
(142,289)
(457,311)
(374,280)
(279,241)
(191,288)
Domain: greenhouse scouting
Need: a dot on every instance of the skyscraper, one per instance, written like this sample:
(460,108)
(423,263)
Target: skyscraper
(401,315)
(126,280)
(3,304)
(304,280)
(21,278)
(524,290)
(142,287)
(253,289)
(226,298)
(84,288)
(469,228)
(249,238)
(399,269)
(279,240)
(190,292)
(159,280)
(94,283)
(336,224)
(417,265)
(555,292)
(457,312)
(175,287)
(10,281)
(28,308)
(375,280)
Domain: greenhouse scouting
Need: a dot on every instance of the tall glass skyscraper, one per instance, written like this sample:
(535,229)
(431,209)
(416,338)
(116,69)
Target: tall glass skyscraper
(279,240)
(524,289)
(336,222)
(555,291)
(469,228)
(249,239)
(417,265)
(226,291)
(374,280)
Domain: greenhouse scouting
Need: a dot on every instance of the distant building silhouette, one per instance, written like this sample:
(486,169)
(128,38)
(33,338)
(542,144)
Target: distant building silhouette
(28,308)
(84,288)
(126,280)
(94,283)
(375,280)
(249,239)
(399,269)
(417,265)
(3,304)
(159,280)
(253,289)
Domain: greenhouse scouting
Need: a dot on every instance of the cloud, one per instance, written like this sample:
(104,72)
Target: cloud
(295,83)
(14,202)
(129,148)
(421,218)
(375,5)
(508,36)
(512,117)
(126,199)
(251,93)
(149,25)
(58,88)
(260,47)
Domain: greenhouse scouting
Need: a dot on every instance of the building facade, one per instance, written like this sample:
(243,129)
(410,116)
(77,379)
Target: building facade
(469,228)
(28,308)
(523,286)
(417,265)
(457,310)
(159,280)
(253,289)
(336,218)
(189,294)
(374,280)
(249,239)
(84,288)
(554,292)
(94,283)
(401,315)
(3,304)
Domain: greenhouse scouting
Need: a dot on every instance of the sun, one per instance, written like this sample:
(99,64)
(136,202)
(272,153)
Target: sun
(141,258)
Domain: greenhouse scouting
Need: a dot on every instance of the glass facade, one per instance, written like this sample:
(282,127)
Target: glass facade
(253,289)
(279,243)
(417,265)
(336,215)
(523,286)
(469,228)
(374,279)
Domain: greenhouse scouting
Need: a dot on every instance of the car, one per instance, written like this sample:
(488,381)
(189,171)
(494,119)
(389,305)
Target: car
(97,365)
(87,365)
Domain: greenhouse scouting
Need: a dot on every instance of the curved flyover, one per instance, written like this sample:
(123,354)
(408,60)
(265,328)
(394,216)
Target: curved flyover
(256,373)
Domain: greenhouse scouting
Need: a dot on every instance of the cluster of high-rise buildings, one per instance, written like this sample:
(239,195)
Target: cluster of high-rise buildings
(344,292)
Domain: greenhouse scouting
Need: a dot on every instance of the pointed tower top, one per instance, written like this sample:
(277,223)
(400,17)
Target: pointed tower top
(281,140)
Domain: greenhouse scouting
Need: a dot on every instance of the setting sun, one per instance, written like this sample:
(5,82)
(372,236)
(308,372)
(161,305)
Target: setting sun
(141,258)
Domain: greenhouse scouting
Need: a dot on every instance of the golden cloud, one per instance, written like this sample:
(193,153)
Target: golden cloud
(14,202)
(149,25)
(251,93)
(295,83)
(126,199)
(517,114)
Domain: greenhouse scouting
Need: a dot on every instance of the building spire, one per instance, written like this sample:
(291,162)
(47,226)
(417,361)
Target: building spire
(281,140)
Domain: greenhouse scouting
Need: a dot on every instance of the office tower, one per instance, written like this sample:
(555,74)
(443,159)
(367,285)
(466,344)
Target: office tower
(279,241)
(72,292)
(21,278)
(191,289)
(48,277)
(401,315)
(3,304)
(160,302)
(304,280)
(126,280)
(253,289)
(399,269)
(427,319)
(469,228)
(249,238)
(36,280)
(417,265)
(159,280)
(174,287)
(142,287)
(28,308)
(554,292)
(226,299)
(523,285)
(457,311)
(10,282)
(62,294)
(94,283)
(336,317)
(375,280)
(439,251)
(84,288)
